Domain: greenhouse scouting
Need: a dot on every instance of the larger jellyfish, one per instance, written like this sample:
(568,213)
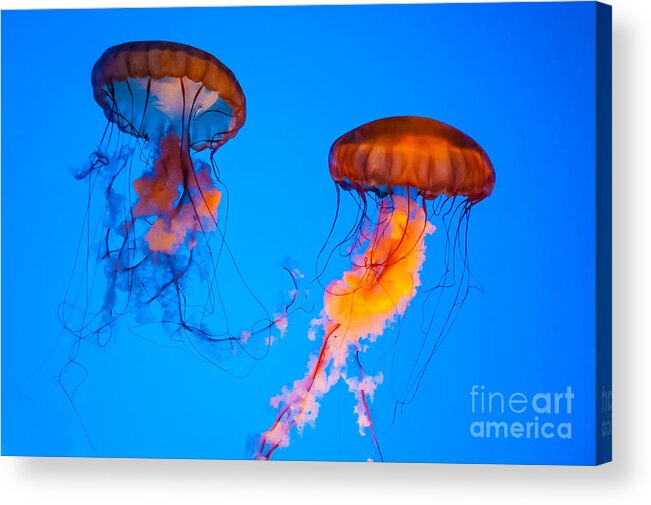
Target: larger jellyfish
(404,171)
(157,233)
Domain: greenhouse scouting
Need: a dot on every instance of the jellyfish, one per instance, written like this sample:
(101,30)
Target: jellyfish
(153,223)
(403,172)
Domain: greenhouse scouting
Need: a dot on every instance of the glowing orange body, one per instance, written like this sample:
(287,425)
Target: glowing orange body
(369,296)
(183,201)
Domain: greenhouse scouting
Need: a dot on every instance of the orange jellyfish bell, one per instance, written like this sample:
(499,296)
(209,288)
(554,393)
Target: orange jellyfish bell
(147,87)
(414,152)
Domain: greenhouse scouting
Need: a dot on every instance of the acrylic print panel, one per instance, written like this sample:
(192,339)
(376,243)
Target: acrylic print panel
(356,233)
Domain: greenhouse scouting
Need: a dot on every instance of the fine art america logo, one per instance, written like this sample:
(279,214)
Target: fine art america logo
(543,415)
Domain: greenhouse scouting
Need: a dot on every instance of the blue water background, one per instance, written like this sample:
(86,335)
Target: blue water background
(518,78)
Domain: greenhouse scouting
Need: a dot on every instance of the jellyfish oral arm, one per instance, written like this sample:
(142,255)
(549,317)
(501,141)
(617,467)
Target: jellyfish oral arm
(182,199)
(364,388)
(295,409)
(359,306)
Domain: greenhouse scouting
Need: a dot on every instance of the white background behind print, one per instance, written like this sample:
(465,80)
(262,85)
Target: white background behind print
(628,480)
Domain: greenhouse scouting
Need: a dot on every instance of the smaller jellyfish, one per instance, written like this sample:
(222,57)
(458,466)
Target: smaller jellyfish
(157,211)
(404,172)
